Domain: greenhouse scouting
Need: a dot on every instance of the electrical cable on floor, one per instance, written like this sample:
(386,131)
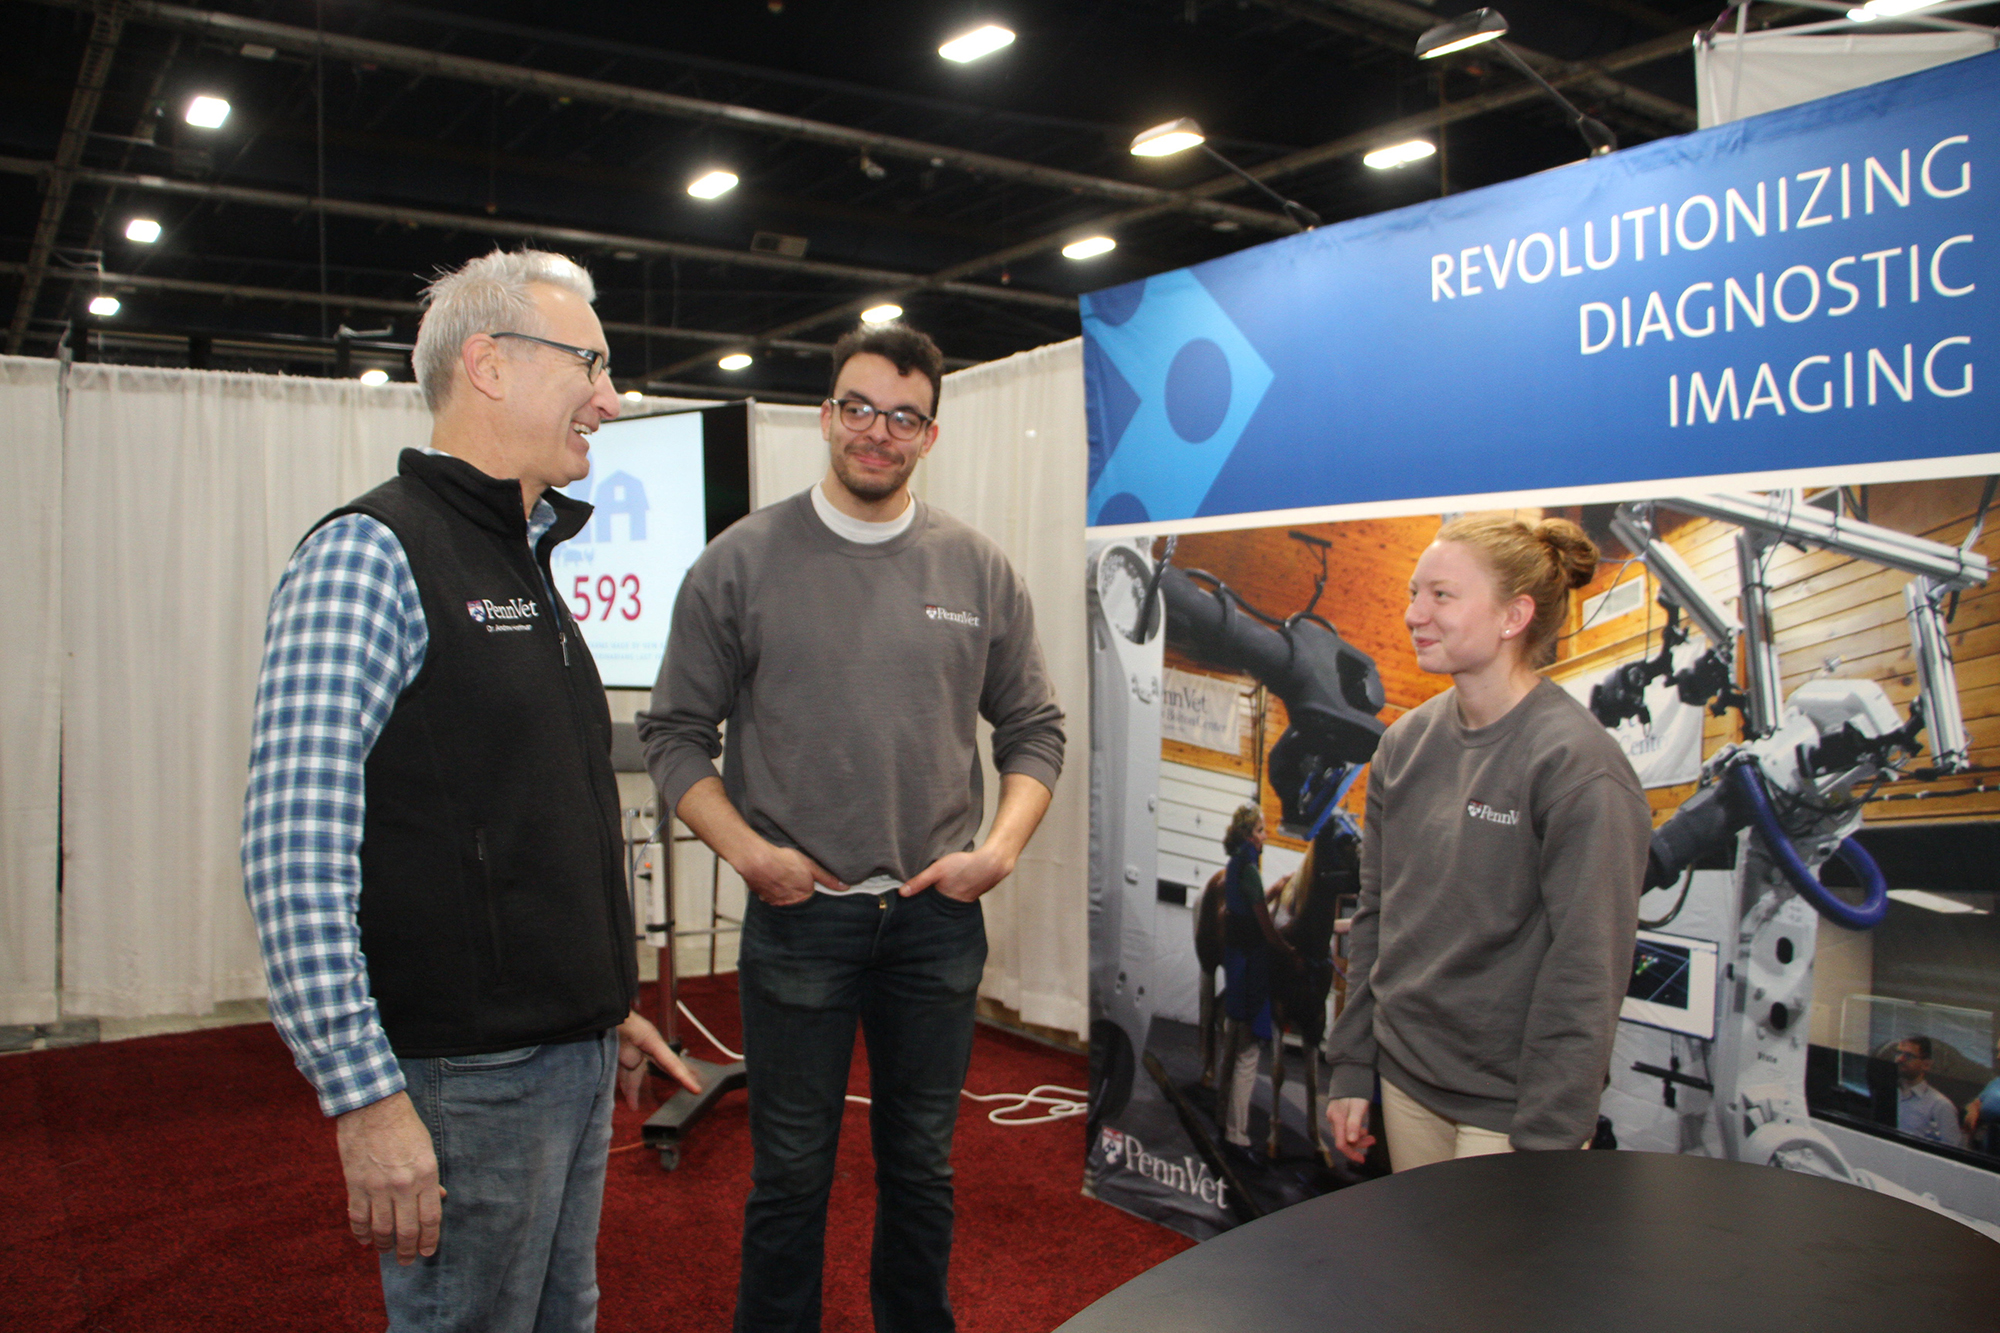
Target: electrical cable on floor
(702,1028)
(1062,1103)
(1070,1104)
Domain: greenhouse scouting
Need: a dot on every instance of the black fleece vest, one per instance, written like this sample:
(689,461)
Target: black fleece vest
(493,904)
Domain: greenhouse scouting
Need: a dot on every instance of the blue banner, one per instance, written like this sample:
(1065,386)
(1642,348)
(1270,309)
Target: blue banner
(1805,288)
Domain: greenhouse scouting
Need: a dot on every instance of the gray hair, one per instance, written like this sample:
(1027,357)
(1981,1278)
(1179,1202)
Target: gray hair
(489,294)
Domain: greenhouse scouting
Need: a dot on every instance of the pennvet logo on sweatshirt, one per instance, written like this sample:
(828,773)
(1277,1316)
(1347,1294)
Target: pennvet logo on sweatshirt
(1481,810)
(955,617)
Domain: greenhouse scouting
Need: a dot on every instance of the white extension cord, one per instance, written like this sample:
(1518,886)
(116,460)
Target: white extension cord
(1062,1103)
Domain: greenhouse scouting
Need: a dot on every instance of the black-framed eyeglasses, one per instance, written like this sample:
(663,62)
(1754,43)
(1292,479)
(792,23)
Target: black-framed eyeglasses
(902,423)
(595,363)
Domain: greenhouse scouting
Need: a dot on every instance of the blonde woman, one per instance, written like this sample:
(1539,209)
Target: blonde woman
(1501,860)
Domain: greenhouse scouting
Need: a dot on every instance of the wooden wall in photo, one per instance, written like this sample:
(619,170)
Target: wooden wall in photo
(1368,573)
(1844,617)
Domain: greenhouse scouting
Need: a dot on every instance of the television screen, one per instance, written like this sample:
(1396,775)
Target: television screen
(662,486)
(1672,984)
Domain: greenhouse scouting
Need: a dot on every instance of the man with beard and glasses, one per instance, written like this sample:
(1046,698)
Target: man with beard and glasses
(851,637)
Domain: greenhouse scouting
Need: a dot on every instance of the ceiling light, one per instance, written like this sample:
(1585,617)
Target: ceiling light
(104,307)
(207,112)
(1481,25)
(1935,902)
(1397,155)
(375,376)
(1172,137)
(714,184)
(979,42)
(1089,247)
(143,230)
(881,314)
(633,396)
(735,361)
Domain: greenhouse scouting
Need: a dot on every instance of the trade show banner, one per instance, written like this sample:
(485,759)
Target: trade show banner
(1801,289)
(1746,361)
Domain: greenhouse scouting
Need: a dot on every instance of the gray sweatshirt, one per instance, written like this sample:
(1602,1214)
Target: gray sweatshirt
(1500,875)
(852,677)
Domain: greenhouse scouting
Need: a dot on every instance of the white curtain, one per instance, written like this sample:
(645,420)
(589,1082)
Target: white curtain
(786,452)
(184,493)
(1762,71)
(1011,460)
(30,693)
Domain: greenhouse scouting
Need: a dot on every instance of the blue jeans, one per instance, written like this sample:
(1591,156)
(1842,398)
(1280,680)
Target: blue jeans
(906,969)
(521,1138)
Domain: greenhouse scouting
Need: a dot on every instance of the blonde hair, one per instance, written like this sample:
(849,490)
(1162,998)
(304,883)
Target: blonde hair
(1544,562)
(490,294)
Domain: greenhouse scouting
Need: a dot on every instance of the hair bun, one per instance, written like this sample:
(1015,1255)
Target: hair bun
(1574,552)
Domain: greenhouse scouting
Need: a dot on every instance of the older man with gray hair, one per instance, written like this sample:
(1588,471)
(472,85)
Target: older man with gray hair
(430,837)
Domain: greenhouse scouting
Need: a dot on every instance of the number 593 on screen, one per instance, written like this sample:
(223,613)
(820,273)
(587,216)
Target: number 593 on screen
(605,594)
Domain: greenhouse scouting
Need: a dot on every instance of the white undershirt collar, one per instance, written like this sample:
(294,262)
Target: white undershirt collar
(860,530)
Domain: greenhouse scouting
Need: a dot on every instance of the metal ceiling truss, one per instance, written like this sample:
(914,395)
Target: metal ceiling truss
(105,30)
(517,228)
(236,30)
(1402,21)
(1362,18)
(1278,168)
(336,301)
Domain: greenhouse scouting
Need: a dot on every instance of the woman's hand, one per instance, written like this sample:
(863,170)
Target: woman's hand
(1347,1117)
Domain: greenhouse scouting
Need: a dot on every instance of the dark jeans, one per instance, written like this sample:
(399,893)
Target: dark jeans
(908,970)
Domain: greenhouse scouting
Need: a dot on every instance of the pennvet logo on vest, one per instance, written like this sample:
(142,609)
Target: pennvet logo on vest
(1481,810)
(1190,1175)
(516,613)
(955,617)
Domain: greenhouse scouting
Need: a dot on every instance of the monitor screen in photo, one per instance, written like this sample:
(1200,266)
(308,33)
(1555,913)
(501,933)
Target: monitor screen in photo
(620,574)
(1672,985)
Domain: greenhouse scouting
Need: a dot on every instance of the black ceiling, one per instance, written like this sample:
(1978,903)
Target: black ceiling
(423,162)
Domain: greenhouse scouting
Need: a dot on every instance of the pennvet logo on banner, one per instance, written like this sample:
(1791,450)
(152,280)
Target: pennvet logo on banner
(1811,287)
(1189,1175)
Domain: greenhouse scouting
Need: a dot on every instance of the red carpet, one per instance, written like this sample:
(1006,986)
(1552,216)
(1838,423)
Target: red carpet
(188,1183)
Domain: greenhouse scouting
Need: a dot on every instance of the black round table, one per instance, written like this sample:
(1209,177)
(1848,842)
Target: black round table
(1596,1242)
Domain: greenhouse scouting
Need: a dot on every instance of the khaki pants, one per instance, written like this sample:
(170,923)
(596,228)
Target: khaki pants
(1419,1136)
(1239,1074)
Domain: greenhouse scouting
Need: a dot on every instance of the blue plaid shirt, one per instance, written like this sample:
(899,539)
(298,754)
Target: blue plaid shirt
(346,635)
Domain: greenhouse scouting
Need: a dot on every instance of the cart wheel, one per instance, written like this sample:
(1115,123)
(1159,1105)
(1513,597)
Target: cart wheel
(670,1158)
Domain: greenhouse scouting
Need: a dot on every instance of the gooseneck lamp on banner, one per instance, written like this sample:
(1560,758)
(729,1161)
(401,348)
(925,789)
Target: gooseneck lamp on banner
(1179,135)
(1483,27)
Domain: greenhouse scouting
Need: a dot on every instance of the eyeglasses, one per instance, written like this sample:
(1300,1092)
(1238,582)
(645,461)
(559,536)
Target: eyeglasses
(859,414)
(595,363)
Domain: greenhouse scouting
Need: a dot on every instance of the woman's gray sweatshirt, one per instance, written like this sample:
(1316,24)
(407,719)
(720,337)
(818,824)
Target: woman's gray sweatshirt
(1500,877)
